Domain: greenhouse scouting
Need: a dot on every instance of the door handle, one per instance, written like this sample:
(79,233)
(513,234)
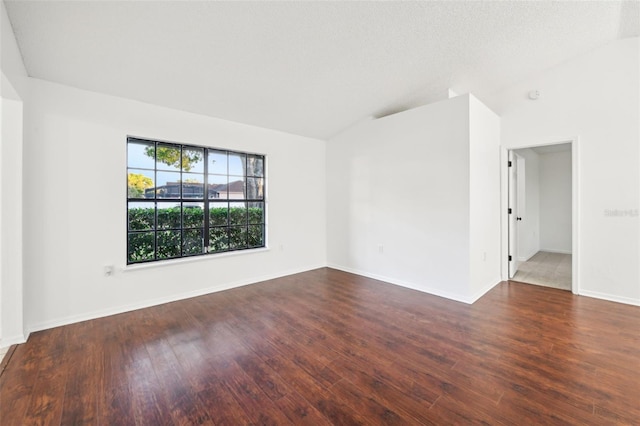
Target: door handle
(518,218)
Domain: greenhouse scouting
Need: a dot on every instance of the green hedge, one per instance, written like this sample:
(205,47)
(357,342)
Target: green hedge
(229,229)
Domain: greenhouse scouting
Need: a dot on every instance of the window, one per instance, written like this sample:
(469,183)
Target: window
(185,200)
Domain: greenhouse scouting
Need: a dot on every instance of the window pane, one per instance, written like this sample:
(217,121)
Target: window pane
(193,215)
(218,214)
(192,185)
(192,242)
(217,162)
(140,155)
(218,240)
(193,160)
(168,193)
(255,165)
(168,185)
(141,216)
(237,162)
(140,183)
(237,213)
(140,246)
(255,188)
(168,244)
(237,237)
(168,157)
(235,189)
(256,236)
(256,213)
(217,187)
(169,216)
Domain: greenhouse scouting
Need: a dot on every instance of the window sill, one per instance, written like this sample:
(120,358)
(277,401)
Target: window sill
(182,260)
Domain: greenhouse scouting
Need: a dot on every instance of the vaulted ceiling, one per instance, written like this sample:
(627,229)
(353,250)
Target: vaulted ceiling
(309,67)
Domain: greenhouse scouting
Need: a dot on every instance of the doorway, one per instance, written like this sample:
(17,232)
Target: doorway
(541,215)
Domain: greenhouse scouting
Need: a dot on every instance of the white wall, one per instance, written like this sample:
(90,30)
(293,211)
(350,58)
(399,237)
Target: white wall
(529,226)
(11,301)
(484,195)
(399,205)
(595,98)
(402,182)
(555,202)
(75,188)
(10,56)
(12,90)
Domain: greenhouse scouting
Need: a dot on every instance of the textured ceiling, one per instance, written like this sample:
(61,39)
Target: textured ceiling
(309,68)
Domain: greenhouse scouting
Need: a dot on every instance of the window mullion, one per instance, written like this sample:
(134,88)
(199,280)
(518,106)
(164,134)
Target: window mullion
(205,196)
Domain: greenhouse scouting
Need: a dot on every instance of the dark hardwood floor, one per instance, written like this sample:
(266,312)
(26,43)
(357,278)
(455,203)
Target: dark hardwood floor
(327,347)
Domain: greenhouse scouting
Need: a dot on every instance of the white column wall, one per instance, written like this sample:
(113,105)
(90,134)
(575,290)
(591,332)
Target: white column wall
(399,203)
(13,90)
(484,195)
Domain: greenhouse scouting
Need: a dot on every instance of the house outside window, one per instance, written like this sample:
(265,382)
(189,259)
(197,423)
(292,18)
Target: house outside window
(186,200)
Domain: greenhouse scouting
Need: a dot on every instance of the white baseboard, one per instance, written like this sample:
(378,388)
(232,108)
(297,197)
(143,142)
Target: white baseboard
(5,342)
(161,300)
(423,288)
(484,290)
(8,341)
(527,256)
(610,297)
(556,251)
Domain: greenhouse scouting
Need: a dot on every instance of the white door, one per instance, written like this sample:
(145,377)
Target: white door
(520,211)
(513,214)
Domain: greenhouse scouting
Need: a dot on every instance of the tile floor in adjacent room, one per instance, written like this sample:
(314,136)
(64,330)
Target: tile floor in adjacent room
(546,269)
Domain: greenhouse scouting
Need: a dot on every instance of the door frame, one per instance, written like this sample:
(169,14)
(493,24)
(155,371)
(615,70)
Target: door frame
(575,206)
(513,198)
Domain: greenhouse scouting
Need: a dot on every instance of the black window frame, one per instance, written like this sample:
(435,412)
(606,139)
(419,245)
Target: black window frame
(237,234)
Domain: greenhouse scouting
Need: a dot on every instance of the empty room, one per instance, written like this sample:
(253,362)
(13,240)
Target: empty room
(319,212)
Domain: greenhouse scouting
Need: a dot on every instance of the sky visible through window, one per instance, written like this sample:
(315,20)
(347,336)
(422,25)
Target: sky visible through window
(140,162)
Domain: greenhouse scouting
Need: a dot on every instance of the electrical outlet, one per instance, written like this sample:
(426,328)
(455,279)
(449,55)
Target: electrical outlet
(380,248)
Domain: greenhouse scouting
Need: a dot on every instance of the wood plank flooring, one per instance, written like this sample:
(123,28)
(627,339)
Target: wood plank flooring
(328,347)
